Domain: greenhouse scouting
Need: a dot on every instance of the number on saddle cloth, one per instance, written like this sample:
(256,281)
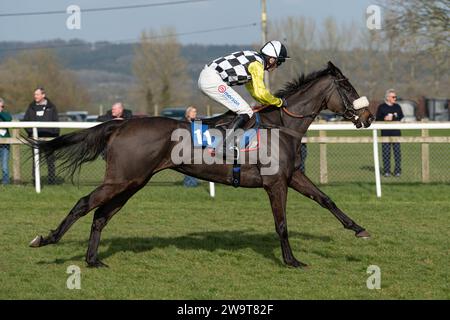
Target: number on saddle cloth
(201,137)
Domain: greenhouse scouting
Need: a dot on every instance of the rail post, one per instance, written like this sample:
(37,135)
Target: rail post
(425,158)
(37,171)
(376,162)
(323,158)
(15,153)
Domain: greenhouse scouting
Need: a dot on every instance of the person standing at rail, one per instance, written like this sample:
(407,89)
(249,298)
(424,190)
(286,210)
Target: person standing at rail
(42,109)
(390,111)
(117,112)
(4,148)
(190,115)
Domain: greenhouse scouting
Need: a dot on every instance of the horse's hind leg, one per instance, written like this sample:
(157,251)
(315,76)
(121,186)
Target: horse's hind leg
(100,195)
(101,217)
(302,184)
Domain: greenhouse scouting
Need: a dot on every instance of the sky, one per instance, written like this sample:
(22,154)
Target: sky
(126,25)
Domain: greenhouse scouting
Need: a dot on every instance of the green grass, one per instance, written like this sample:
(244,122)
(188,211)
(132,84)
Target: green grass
(170,242)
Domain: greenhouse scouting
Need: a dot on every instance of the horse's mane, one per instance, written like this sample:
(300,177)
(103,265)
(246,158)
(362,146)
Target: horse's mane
(301,82)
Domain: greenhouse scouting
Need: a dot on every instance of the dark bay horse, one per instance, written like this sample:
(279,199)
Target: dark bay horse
(136,149)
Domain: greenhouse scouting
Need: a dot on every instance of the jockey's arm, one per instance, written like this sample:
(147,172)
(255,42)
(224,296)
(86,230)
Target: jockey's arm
(257,88)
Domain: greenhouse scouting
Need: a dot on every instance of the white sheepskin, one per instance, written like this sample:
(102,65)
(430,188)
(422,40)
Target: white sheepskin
(360,103)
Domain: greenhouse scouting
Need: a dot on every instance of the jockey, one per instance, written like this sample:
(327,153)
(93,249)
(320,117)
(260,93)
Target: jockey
(239,68)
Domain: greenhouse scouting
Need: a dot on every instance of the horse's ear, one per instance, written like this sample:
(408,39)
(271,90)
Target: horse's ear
(335,70)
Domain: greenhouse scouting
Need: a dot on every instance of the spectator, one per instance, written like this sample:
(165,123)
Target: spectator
(190,115)
(117,112)
(42,109)
(390,111)
(4,148)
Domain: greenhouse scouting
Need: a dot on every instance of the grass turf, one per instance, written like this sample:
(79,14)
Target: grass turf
(170,242)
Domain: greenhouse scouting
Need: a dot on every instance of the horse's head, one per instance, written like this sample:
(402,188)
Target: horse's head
(344,100)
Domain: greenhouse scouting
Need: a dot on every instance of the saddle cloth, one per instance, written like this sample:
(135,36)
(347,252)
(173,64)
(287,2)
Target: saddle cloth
(204,137)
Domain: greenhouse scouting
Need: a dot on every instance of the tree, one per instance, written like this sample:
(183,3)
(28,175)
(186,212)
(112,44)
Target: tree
(370,76)
(298,34)
(330,39)
(160,71)
(427,22)
(26,71)
(429,19)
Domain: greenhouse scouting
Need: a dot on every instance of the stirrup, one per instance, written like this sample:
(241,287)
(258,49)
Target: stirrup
(236,152)
(226,153)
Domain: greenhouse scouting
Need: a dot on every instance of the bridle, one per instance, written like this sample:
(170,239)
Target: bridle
(350,112)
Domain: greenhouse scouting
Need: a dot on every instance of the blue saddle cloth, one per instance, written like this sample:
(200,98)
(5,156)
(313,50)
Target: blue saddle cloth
(204,137)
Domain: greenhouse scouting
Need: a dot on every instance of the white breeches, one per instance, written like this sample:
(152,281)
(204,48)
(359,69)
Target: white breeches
(214,87)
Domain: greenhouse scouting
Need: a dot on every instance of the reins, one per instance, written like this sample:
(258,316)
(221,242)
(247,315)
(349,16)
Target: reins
(286,130)
(347,114)
(299,116)
(289,113)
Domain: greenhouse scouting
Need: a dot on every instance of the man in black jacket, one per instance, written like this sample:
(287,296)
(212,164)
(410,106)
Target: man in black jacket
(390,111)
(42,109)
(117,112)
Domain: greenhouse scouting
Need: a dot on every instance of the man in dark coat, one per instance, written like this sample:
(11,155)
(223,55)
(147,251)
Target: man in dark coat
(42,109)
(390,111)
(117,112)
(4,148)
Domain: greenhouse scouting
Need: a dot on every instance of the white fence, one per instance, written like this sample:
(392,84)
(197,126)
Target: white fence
(322,139)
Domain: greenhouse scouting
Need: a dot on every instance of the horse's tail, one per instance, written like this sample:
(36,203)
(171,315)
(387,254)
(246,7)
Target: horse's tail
(75,148)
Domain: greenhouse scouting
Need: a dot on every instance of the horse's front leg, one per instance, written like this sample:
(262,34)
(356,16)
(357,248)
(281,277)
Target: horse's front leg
(302,184)
(278,194)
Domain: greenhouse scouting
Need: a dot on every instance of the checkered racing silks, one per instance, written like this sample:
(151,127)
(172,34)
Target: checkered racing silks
(233,68)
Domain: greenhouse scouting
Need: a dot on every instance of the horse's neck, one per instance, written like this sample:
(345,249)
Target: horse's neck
(272,116)
(307,105)
(308,102)
(310,111)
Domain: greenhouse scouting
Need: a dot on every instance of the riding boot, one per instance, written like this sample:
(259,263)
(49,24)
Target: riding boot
(228,142)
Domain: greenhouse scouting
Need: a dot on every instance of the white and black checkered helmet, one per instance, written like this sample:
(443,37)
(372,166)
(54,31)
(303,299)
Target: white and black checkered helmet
(276,50)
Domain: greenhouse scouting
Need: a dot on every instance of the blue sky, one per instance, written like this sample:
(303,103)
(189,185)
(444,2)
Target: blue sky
(127,24)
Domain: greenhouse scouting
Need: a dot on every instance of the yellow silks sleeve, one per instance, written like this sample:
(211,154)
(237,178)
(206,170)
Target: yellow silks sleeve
(257,88)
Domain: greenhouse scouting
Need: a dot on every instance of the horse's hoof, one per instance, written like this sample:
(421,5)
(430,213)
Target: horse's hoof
(97,264)
(363,234)
(36,242)
(297,264)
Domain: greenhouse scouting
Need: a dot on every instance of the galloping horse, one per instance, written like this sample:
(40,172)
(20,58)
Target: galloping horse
(136,149)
